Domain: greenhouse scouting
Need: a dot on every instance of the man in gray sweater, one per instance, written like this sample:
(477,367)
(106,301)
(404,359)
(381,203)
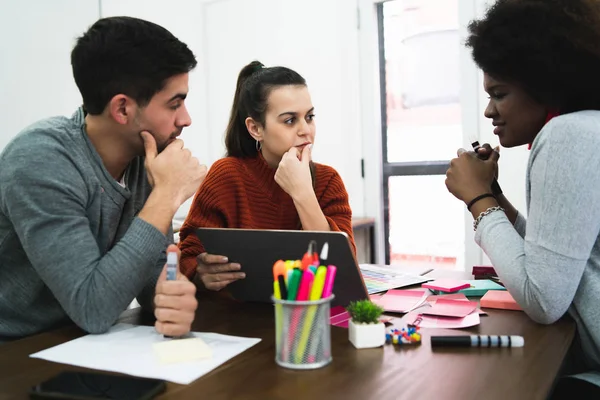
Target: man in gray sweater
(86,202)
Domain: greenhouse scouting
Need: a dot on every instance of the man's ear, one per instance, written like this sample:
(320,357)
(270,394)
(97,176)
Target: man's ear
(254,128)
(121,109)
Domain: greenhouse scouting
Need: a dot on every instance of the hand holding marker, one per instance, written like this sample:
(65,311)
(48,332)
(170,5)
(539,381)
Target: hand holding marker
(496,190)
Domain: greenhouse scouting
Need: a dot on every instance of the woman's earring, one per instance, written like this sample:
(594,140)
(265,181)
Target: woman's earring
(258,145)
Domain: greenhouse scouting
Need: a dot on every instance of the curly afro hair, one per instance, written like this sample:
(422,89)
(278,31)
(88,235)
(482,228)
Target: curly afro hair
(551,48)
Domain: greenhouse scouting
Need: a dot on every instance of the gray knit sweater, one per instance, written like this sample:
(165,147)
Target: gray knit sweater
(551,262)
(71,247)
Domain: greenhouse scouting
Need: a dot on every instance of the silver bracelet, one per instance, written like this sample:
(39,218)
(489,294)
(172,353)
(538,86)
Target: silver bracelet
(483,214)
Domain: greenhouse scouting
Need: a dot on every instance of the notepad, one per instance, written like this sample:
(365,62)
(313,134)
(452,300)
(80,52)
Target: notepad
(499,299)
(338,316)
(451,308)
(181,350)
(431,300)
(479,287)
(447,285)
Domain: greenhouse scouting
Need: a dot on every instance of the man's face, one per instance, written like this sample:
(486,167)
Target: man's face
(166,115)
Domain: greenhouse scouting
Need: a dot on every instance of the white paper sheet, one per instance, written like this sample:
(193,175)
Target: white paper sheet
(128,349)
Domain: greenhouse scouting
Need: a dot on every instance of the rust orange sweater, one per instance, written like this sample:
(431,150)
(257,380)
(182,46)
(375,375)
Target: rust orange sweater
(242,193)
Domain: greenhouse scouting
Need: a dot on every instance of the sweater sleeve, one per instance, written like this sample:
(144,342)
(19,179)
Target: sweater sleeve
(543,270)
(45,197)
(208,211)
(520,224)
(336,207)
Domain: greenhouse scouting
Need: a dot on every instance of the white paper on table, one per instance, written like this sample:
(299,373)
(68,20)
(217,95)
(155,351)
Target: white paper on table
(128,349)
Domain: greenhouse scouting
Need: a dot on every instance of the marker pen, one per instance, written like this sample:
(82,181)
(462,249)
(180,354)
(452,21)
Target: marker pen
(171,266)
(171,271)
(477,341)
(496,190)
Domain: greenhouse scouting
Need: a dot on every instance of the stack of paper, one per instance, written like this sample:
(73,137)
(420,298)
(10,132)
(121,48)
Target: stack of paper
(479,287)
(502,300)
(446,311)
(141,351)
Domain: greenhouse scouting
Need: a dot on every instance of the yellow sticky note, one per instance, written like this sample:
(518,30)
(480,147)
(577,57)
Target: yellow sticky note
(182,350)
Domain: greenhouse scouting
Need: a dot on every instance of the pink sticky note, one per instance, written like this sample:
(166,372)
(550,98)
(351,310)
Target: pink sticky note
(451,308)
(499,299)
(402,300)
(338,316)
(447,285)
(455,296)
(434,321)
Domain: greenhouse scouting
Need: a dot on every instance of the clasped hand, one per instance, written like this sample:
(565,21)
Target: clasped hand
(470,176)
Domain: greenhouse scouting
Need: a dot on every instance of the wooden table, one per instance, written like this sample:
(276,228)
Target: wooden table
(410,372)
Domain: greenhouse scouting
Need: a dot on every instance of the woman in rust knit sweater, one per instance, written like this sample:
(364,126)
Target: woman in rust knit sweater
(267,180)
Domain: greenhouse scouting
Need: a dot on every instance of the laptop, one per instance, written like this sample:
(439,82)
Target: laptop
(256,250)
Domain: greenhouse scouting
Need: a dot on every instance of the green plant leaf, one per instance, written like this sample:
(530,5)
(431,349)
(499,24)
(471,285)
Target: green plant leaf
(364,311)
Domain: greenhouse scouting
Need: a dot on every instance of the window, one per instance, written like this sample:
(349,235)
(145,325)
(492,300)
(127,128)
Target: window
(420,80)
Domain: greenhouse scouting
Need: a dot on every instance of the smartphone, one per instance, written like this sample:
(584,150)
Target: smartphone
(96,386)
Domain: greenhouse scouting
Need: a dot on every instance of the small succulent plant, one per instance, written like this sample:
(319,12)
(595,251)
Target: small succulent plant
(364,311)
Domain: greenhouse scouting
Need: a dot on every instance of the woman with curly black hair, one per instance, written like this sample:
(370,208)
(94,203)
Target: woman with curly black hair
(541,64)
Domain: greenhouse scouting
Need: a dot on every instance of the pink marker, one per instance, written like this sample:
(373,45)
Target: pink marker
(329,279)
(305,285)
(327,290)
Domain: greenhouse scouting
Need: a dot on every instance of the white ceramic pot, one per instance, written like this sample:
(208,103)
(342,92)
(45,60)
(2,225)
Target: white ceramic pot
(364,336)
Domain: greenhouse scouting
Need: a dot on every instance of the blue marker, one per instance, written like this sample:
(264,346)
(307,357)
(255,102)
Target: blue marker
(171,271)
(172,266)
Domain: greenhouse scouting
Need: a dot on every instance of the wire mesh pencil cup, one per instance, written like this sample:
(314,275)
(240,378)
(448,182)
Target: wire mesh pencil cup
(302,333)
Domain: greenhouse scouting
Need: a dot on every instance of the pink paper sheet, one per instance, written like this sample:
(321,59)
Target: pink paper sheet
(401,301)
(451,308)
(455,296)
(432,321)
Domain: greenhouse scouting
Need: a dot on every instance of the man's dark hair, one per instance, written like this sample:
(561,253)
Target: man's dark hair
(129,56)
(551,48)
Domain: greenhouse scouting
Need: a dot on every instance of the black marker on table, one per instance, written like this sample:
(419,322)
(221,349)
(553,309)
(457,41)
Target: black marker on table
(477,341)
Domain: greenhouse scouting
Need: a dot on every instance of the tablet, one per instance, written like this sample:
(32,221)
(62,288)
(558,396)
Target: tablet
(256,250)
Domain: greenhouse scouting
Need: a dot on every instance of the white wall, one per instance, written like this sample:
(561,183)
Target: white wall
(36,38)
(317,39)
(225,41)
